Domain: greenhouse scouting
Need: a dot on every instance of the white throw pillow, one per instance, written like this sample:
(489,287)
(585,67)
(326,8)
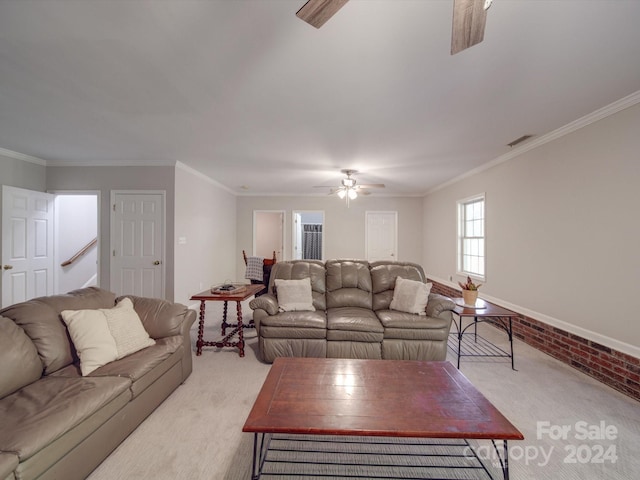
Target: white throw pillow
(127,329)
(294,295)
(103,335)
(410,296)
(91,336)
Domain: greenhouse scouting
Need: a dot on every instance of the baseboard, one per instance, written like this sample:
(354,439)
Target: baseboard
(614,367)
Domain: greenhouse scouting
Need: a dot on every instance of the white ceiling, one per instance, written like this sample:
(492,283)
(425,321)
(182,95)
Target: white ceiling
(251,96)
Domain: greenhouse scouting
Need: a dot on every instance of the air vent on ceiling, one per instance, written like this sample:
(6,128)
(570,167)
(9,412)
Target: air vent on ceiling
(518,141)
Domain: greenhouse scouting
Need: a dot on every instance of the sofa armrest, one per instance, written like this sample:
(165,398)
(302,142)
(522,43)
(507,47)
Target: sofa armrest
(266,302)
(162,318)
(438,306)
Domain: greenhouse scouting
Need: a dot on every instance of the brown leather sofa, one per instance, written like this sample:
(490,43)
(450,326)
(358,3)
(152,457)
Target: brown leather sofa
(352,317)
(57,424)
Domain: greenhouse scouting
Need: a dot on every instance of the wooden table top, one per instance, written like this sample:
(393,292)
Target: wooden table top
(392,398)
(482,309)
(249,290)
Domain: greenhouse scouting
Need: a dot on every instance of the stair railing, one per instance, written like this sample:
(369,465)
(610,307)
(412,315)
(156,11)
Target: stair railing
(80,253)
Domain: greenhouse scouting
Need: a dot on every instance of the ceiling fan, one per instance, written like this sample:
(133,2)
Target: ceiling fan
(349,189)
(469,19)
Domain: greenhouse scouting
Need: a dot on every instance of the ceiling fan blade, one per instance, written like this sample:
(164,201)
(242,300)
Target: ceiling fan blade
(317,12)
(371,185)
(469,19)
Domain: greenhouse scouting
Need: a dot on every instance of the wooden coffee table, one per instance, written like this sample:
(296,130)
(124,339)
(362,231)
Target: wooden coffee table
(373,398)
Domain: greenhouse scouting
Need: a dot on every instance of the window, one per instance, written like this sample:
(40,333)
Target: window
(471,259)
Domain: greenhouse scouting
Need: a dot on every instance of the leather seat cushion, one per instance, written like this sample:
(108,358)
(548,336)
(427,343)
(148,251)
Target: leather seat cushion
(41,412)
(353,319)
(408,326)
(396,319)
(8,463)
(302,319)
(142,367)
(354,336)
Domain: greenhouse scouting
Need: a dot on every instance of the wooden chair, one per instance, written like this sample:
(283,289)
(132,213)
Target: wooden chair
(266,271)
(267,261)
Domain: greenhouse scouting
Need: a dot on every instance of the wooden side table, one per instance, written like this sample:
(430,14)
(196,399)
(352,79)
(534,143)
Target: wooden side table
(207,296)
(483,312)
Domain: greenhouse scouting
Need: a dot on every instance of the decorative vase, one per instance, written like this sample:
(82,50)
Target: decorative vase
(470,296)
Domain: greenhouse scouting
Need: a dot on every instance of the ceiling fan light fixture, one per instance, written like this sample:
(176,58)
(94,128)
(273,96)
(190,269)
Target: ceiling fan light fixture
(352,194)
(348,182)
(342,193)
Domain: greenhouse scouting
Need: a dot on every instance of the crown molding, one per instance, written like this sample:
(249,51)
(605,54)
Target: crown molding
(611,109)
(204,177)
(107,163)
(21,156)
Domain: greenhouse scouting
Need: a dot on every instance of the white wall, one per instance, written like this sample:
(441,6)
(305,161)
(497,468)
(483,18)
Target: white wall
(19,173)
(106,179)
(205,235)
(562,230)
(344,228)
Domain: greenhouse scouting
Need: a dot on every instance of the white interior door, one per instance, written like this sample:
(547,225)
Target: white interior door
(27,244)
(137,243)
(382,236)
(297,236)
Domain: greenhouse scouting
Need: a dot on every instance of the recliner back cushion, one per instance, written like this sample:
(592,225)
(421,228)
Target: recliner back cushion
(41,321)
(19,358)
(348,284)
(299,269)
(383,279)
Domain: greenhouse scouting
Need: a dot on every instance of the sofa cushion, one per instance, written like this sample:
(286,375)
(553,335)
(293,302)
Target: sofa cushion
(413,327)
(354,319)
(139,366)
(294,295)
(41,412)
(410,296)
(160,318)
(8,463)
(316,319)
(40,319)
(348,284)
(19,358)
(103,335)
(383,280)
(298,269)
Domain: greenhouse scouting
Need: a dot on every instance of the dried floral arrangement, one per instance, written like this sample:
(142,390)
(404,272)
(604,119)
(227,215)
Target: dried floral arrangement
(469,285)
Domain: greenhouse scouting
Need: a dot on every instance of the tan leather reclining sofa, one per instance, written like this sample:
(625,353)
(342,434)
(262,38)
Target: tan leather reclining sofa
(352,316)
(57,424)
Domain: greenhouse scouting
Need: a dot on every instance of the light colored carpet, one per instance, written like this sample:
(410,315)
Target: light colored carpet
(196,433)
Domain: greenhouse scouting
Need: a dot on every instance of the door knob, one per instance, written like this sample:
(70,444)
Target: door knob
(157,262)
(7,267)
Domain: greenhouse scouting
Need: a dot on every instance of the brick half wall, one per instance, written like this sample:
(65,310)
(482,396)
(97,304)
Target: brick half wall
(611,367)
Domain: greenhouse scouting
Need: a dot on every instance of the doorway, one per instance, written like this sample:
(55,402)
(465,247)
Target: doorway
(308,235)
(77,240)
(268,233)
